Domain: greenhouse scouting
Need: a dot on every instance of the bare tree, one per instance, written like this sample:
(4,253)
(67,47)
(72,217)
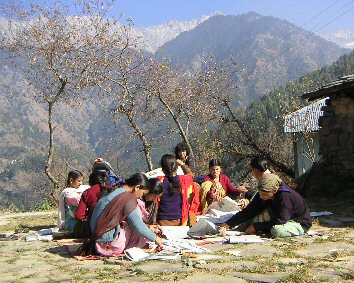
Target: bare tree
(124,82)
(182,95)
(63,54)
(223,91)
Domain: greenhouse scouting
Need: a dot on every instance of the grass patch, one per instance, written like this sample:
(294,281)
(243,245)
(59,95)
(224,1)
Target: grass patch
(12,260)
(22,250)
(32,222)
(300,275)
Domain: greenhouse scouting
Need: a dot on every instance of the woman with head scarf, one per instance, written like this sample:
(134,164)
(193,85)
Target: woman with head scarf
(289,214)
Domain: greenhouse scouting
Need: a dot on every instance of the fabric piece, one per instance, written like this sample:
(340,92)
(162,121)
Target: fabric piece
(289,229)
(68,202)
(174,222)
(152,208)
(207,189)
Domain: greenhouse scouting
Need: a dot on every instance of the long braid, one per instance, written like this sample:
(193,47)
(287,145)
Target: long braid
(169,167)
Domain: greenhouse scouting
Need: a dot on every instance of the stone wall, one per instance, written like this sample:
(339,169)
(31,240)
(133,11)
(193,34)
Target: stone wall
(337,141)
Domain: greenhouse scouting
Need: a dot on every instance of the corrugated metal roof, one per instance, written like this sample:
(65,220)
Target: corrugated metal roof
(343,84)
(305,119)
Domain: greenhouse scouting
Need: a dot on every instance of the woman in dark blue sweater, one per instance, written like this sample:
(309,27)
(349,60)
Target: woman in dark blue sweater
(289,214)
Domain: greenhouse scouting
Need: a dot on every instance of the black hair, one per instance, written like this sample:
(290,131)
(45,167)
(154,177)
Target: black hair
(138,179)
(259,163)
(156,186)
(179,148)
(74,174)
(214,162)
(98,177)
(169,167)
(100,166)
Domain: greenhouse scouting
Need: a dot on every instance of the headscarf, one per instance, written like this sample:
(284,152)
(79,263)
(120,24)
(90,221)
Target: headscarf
(269,183)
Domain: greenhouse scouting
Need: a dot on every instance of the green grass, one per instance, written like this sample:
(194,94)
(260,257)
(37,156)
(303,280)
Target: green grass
(12,260)
(32,222)
(300,275)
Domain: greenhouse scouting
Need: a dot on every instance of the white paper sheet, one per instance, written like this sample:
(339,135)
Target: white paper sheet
(136,254)
(158,172)
(183,246)
(226,205)
(175,232)
(245,239)
(164,255)
(203,228)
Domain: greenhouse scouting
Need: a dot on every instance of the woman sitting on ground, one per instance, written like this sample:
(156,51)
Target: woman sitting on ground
(217,185)
(69,201)
(116,223)
(179,202)
(89,198)
(288,212)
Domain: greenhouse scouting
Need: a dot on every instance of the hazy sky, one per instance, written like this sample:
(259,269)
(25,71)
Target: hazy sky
(313,15)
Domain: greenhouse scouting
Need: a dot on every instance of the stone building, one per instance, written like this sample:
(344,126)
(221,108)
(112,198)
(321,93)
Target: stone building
(336,135)
(303,125)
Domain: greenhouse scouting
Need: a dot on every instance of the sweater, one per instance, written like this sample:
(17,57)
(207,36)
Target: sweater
(88,202)
(228,187)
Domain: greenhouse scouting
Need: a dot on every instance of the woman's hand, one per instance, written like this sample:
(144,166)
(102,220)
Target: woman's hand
(156,229)
(217,192)
(223,229)
(242,188)
(159,243)
(179,162)
(250,230)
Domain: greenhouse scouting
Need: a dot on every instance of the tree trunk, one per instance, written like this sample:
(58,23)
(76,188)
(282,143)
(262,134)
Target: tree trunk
(146,144)
(51,149)
(178,123)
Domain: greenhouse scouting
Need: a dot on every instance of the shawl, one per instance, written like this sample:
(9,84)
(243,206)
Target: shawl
(62,204)
(114,213)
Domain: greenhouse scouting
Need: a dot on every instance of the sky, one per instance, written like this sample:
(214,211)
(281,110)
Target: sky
(312,15)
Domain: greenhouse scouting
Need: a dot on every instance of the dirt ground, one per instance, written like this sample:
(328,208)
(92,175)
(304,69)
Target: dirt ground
(327,256)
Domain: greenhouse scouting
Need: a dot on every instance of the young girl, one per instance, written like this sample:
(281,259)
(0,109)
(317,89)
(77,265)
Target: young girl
(180,200)
(69,200)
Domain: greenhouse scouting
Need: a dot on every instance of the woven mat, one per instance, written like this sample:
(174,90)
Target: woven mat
(71,245)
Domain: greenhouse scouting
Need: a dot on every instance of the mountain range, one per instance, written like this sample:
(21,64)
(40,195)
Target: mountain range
(268,51)
(343,38)
(154,37)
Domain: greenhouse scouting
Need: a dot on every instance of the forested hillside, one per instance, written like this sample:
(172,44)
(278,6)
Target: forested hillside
(24,140)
